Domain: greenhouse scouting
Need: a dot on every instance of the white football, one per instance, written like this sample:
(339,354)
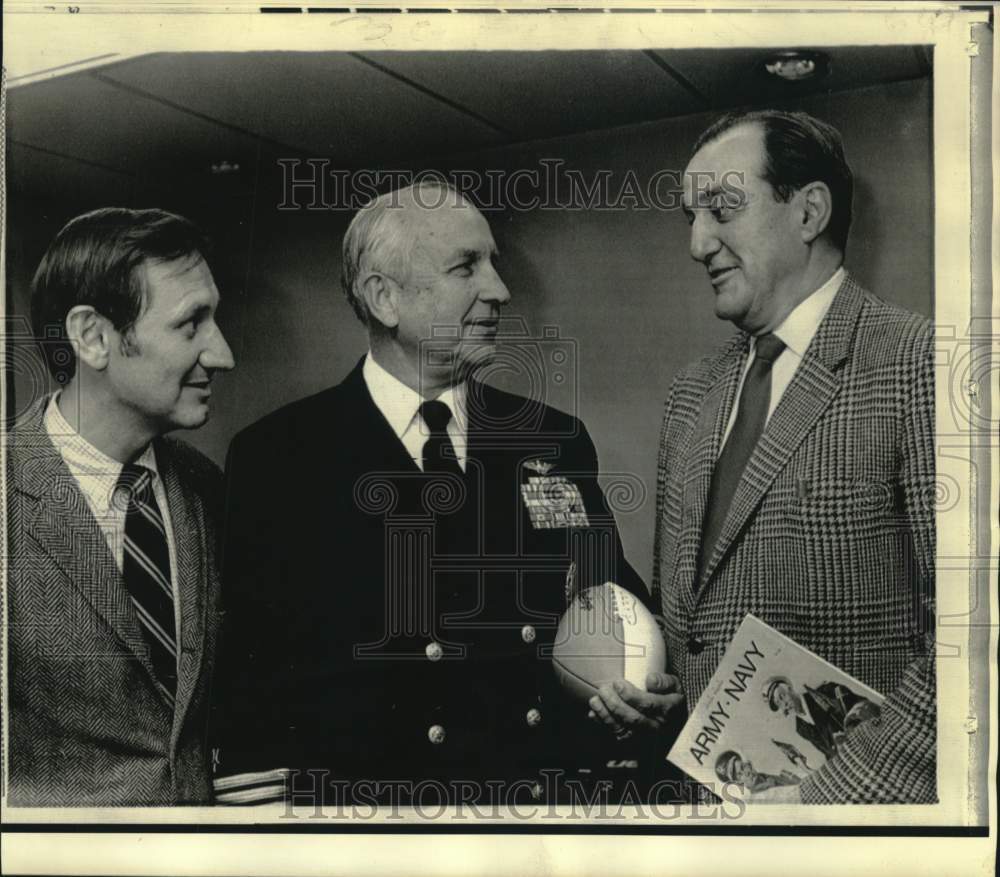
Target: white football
(604,635)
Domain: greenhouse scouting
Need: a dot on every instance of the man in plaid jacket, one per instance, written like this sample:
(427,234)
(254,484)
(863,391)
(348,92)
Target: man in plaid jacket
(796,463)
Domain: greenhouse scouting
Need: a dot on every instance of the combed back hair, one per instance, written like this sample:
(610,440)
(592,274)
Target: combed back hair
(799,149)
(95,260)
(378,238)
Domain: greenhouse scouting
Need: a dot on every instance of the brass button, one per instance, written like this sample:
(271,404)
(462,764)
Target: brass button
(433,651)
(528,633)
(533,717)
(435,733)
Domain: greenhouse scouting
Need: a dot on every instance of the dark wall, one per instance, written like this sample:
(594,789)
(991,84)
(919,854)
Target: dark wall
(617,286)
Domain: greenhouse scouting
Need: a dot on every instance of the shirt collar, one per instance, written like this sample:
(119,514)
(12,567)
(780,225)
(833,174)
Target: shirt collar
(799,327)
(86,461)
(399,403)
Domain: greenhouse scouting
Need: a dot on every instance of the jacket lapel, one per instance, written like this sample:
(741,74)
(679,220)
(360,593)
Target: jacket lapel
(188,527)
(705,446)
(57,517)
(807,397)
(502,433)
(371,436)
(490,426)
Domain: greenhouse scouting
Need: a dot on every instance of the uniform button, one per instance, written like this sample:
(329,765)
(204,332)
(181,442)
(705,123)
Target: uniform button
(533,717)
(695,646)
(433,651)
(528,633)
(435,733)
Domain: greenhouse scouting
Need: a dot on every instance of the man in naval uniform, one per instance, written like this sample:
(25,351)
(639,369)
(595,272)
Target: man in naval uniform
(400,547)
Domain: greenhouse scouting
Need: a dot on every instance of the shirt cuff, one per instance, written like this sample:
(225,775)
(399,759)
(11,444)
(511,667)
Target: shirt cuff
(259,787)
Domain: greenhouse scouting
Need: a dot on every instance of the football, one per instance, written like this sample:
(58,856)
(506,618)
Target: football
(604,635)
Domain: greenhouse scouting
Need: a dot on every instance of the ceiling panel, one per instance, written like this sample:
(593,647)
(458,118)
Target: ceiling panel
(325,104)
(167,117)
(732,77)
(33,173)
(86,118)
(544,94)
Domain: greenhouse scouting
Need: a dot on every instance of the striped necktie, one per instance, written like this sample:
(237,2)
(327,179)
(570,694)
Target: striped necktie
(146,571)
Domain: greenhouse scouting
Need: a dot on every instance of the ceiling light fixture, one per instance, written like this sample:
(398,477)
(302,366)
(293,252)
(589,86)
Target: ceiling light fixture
(225,167)
(795,66)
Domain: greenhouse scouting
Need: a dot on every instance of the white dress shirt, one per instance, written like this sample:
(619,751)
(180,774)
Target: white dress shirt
(400,406)
(96,474)
(796,331)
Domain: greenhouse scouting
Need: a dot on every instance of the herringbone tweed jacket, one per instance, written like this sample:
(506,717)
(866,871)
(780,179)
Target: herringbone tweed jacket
(830,537)
(88,726)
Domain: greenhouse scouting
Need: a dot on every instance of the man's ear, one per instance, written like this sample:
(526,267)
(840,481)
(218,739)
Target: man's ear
(90,335)
(817,209)
(381,295)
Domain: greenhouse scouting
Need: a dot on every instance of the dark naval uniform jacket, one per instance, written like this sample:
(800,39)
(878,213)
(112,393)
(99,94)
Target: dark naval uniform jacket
(386,624)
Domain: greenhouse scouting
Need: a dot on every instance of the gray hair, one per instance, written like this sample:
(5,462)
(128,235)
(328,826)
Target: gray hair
(379,240)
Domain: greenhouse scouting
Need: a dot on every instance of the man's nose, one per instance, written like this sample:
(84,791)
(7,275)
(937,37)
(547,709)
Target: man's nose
(704,243)
(494,289)
(217,356)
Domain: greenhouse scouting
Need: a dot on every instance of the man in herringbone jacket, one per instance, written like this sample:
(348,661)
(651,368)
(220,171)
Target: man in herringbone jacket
(796,462)
(112,581)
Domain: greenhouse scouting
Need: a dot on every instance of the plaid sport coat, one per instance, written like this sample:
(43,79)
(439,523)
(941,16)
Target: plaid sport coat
(830,537)
(88,724)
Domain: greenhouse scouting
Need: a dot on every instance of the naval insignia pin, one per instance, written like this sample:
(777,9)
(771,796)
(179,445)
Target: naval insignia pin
(554,502)
(539,466)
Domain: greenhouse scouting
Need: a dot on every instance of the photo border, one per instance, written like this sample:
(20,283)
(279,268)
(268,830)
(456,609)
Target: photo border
(967,326)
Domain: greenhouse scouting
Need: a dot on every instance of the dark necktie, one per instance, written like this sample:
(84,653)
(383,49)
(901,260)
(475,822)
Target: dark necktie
(751,415)
(439,452)
(146,571)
